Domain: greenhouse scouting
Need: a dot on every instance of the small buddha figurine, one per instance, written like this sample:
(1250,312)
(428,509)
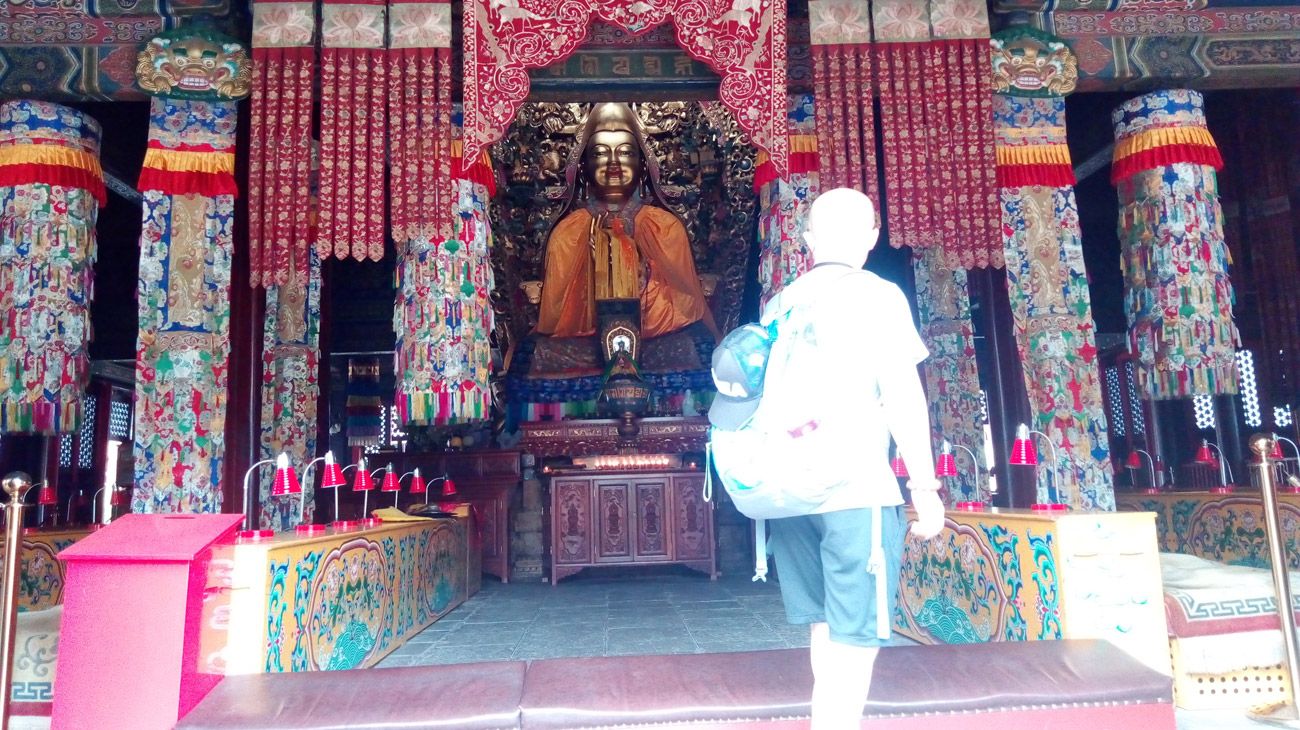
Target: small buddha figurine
(612,244)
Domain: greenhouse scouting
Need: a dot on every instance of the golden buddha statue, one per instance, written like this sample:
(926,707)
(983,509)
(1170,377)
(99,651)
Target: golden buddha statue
(612,245)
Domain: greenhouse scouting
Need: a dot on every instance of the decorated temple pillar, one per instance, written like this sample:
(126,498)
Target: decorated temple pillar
(783,204)
(290,388)
(1047,283)
(51,189)
(182,351)
(952,379)
(1178,297)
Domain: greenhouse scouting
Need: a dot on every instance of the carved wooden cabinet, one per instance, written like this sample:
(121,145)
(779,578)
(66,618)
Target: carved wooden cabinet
(635,518)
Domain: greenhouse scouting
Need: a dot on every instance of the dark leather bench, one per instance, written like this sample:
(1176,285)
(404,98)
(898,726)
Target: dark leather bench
(1063,685)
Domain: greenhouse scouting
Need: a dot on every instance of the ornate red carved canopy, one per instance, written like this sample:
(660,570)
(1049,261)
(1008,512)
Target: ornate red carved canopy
(743,40)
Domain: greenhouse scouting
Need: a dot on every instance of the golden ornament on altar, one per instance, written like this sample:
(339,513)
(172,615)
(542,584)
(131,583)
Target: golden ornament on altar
(194,62)
(1030,62)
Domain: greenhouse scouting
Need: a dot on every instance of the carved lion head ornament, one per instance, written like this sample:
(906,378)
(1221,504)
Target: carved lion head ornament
(1029,62)
(194,62)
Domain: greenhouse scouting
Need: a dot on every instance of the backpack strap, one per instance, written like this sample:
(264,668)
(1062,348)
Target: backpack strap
(877,566)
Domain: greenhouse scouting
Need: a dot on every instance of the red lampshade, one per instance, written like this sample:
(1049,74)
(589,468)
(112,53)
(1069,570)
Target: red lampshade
(947,465)
(900,469)
(1023,452)
(1276,454)
(333,478)
(286,482)
(1205,455)
(363,482)
(417,483)
(47,496)
(119,496)
(390,483)
(1134,460)
(448,487)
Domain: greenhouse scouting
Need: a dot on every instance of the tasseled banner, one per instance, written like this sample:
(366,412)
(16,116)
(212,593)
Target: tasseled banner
(443,317)
(964,171)
(354,84)
(783,204)
(1178,295)
(203,163)
(279,166)
(51,187)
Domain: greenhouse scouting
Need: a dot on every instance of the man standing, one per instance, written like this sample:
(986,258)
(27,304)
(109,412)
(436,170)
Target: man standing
(832,563)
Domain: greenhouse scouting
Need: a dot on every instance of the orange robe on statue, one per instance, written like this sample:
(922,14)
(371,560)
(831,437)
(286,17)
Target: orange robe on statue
(672,298)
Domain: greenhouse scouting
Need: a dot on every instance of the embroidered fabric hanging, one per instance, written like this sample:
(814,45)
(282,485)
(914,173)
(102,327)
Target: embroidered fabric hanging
(783,204)
(186,244)
(840,32)
(952,379)
(284,61)
(421,190)
(744,42)
(51,189)
(444,317)
(1178,296)
(290,388)
(354,111)
(936,128)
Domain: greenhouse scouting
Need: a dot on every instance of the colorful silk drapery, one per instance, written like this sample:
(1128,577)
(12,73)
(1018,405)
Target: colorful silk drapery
(783,204)
(51,188)
(840,33)
(952,379)
(183,346)
(936,127)
(745,42)
(291,389)
(280,137)
(443,316)
(1178,296)
(1048,287)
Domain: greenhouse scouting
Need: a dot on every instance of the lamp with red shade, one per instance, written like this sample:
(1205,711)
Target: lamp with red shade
(1023,453)
(391,484)
(333,479)
(1134,463)
(47,497)
(947,467)
(417,483)
(448,490)
(367,519)
(897,465)
(303,528)
(249,532)
(1206,457)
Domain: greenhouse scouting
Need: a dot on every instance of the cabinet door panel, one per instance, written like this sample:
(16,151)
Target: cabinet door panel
(653,519)
(613,521)
(573,521)
(693,518)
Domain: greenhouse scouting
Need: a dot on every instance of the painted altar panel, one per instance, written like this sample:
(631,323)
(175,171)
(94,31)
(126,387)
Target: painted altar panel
(1014,575)
(345,600)
(1228,528)
(40,582)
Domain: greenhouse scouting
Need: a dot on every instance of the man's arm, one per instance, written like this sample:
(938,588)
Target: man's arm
(908,417)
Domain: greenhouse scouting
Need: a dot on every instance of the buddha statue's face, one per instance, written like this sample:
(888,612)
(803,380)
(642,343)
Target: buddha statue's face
(612,165)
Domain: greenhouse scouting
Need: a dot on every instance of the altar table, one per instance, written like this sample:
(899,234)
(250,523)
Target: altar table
(1018,575)
(1228,528)
(342,600)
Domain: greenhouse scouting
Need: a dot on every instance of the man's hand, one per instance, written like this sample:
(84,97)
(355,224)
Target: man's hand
(929,513)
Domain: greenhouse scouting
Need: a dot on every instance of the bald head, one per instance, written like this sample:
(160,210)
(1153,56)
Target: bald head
(842,227)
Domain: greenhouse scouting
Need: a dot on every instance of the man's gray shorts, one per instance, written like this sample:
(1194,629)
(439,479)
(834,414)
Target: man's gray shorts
(821,563)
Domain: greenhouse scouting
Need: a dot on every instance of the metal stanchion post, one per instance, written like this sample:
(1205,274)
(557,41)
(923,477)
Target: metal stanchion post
(1285,712)
(16,486)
